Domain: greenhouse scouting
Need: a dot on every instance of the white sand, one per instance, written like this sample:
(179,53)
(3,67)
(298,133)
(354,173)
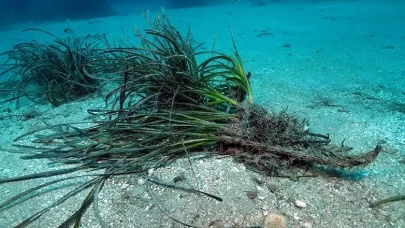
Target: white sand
(338,55)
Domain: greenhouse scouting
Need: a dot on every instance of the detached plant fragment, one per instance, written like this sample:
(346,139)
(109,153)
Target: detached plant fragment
(170,105)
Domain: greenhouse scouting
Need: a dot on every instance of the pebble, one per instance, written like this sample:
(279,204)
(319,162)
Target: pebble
(300,204)
(275,220)
(124,185)
(235,169)
(306,225)
(141,181)
(251,194)
(259,188)
(261,197)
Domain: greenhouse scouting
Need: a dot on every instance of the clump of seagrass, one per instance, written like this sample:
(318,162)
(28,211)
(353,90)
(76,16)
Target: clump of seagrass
(170,106)
(259,125)
(58,73)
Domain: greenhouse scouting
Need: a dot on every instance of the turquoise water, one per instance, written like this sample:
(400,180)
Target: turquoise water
(340,64)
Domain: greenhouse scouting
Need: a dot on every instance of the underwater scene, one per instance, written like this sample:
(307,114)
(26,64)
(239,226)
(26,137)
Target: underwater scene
(206,113)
